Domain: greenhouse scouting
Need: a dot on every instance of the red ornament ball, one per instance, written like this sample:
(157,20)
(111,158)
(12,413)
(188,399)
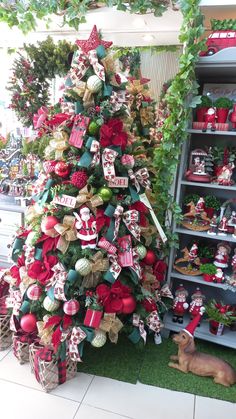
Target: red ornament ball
(71,307)
(62,169)
(129,304)
(28,323)
(79,179)
(48,223)
(150,258)
(49,166)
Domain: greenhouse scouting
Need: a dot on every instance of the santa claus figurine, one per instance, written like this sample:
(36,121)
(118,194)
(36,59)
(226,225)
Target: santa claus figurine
(223,227)
(213,226)
(196,306)
(86,228)
(210,119)
(219,276)
(193,253)
(200,206)
(180,305)
(222,256)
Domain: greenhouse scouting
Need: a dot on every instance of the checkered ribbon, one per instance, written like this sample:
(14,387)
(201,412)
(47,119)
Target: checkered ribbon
(77,336)
(108,159)
(14,301)
(22,337)
(58,281)
(81,62)
(106,245)
(140,324)
(153,322)
(141,177)
(95,149)
(46,354)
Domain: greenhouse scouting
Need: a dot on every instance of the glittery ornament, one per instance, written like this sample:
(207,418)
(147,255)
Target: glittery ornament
(99,339)
(127,161)
(141,250)
(79,179)
(34,292)
(150,258)
(49,166)
(62,169)
(93,128)
(94,84)
(93,42)
(71,307)
(28,323)
(50,305)
(129,304)
(105,193)
(83,266)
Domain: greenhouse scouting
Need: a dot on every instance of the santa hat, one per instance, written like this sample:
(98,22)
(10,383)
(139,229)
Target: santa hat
(181,290)
(198,294)
(192,325)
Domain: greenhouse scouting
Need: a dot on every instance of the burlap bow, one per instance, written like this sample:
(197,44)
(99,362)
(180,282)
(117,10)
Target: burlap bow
(140,177)
(67,232)
(57,145)
(85,196)
(77,336)
(98,264)
(147,116)
(147,233)
(45,334)
(111,325)
(137,322)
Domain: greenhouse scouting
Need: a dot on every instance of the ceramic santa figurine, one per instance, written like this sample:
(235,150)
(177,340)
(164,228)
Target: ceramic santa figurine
(180,304)
(223,227)
(213,226)
(196,306)
(224,175)
(199,166)
(86,228)
(219,276)
(210,120)
(232,219)
(222,256)
(193,253)
(200,206)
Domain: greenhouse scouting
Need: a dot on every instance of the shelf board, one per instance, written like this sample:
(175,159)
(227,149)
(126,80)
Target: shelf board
(199,131)
(197,279)
(227,339)
(202,234)
(208,185)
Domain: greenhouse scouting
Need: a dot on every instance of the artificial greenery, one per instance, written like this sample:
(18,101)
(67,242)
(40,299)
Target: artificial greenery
(219,312)
(222,155)
(208,268)
(32,72)
(223,102)
(205,102)
(178,103)
(24,14)
(205,251)
(212,201)
(225,24)
(191,198)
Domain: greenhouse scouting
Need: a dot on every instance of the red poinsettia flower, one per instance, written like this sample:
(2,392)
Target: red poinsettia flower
(112,134)
(111,297)
(101,219)
(159,270)
(42,270)
(149,305)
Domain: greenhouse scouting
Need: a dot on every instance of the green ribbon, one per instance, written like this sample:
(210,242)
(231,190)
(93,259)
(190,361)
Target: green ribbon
(133,194)
(50,293)
(134,336)
(73,276)
(61,354)
(78,107)
(109,213)
(38,254)
(85,160)
(43,196)
(101,52)
(25,307)
(107,90)
(17,247)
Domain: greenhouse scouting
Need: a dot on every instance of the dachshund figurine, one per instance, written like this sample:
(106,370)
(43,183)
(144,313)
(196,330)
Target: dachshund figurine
(205,365)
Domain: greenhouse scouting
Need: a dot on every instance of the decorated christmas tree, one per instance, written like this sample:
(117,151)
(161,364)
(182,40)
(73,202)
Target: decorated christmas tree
(88,261)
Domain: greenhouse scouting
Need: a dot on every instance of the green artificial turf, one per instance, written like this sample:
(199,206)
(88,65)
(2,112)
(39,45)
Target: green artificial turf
(155,371)
(126,362)
(120,361)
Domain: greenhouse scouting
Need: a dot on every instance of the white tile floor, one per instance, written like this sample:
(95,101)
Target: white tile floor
(90,397)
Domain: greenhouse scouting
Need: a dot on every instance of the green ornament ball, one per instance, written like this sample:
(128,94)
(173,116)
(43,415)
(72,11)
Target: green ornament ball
(141,250)
(105,193)
(93,128)
(99,339)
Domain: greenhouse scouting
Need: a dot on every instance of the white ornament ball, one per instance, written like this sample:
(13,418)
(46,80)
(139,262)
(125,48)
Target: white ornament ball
(94,84)
(71,307)
(83,266)
(32,238)
(50,305)
(141,250)
(99,339)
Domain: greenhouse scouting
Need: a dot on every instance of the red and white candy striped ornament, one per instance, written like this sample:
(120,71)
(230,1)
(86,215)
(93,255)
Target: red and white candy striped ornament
(71,307)
(34,292)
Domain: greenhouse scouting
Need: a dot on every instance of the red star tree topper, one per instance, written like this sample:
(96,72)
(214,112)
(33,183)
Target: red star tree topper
(93,42)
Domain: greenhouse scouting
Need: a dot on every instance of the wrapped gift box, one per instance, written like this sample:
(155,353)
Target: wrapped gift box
(93,318)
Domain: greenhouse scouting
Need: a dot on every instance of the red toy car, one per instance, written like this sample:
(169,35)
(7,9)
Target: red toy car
(218,40)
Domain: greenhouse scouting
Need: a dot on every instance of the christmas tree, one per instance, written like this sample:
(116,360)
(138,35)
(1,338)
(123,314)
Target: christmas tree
(88,261)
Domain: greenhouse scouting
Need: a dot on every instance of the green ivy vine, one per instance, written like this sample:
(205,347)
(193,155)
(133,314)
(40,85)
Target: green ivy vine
(177,100)
(23,14)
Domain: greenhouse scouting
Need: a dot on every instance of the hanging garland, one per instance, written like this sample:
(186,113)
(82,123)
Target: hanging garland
(31,75)
(23,13)
(177,100)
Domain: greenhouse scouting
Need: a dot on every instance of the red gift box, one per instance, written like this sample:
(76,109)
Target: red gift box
(93,318)
(78,131)
(219,127)
(125,252)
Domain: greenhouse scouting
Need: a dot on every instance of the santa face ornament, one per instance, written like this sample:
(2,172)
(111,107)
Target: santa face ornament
(86,228)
